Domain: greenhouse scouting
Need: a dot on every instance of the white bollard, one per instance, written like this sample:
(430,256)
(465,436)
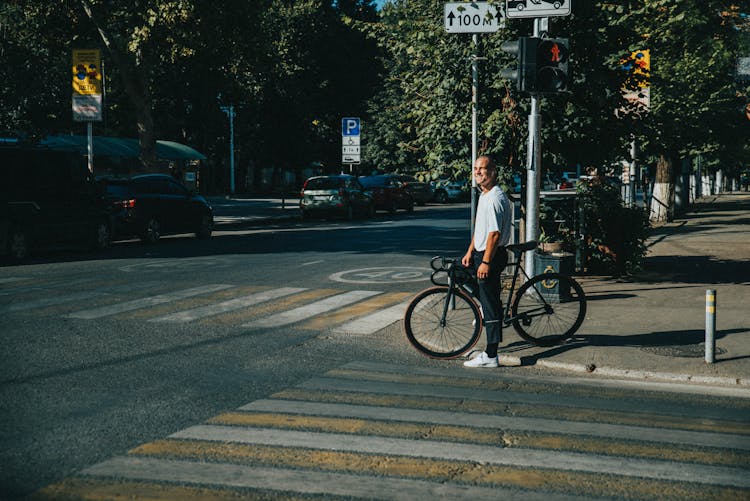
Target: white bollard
(710,326)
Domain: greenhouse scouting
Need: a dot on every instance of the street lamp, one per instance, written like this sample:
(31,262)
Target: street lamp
(229,110)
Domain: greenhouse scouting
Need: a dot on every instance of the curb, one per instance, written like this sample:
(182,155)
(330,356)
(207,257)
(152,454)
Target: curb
(509,360)
(252,222)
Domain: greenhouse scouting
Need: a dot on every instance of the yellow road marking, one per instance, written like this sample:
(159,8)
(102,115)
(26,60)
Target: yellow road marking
(90,489)
(269,307)
(519,409)
(355,310)
(546,439)
(436,470)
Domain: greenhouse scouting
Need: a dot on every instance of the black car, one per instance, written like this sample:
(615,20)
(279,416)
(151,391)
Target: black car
(48,200)
(388,192)
(419,191)
(151,205)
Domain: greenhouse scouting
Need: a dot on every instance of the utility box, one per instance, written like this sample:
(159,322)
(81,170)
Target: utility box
(555,262)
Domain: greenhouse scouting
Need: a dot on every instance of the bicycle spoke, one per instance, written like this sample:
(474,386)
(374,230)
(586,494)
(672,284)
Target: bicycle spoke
(437,335)
(548,309)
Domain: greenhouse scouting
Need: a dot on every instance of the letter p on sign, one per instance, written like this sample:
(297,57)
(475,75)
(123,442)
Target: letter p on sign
(350,126)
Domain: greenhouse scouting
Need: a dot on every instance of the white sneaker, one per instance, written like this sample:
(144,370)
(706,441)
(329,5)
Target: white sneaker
(482,361)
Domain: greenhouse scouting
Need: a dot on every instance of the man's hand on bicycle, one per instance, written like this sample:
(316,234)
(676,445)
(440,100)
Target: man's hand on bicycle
(483,270)
(466,260)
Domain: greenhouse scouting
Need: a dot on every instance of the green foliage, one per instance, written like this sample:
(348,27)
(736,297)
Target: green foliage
(694,96)
(292,69)
(615,236)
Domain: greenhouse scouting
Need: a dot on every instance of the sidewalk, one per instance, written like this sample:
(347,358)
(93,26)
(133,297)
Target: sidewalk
(653,326)
(237,212)
(650,327)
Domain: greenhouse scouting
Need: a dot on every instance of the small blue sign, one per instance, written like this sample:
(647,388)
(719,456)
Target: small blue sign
(350,126)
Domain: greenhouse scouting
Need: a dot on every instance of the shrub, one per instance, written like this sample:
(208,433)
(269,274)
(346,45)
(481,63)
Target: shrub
(615,235)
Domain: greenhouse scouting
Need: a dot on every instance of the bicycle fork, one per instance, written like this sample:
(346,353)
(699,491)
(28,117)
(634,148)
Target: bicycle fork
(450,302)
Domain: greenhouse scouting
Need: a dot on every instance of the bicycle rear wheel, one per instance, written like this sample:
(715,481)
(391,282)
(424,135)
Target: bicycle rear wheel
(442,336)
(548,309)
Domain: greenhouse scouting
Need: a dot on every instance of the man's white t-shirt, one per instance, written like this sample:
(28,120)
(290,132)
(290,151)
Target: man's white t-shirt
(493,214)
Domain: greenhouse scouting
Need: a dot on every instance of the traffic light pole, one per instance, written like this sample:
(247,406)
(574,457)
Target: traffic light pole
(474,104)
(533,166)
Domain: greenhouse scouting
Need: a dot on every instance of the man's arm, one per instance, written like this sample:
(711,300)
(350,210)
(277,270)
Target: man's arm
(466,260)
(484,268)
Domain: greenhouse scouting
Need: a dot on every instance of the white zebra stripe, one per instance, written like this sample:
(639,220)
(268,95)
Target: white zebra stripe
(227,306)
(146,302)
(312,309)
(373,322)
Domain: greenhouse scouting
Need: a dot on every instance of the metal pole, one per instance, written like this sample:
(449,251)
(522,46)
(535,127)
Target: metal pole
(229,110)
(533,166)
(474,103)
(90,147)
(632,176)
(710,326)
(231,149)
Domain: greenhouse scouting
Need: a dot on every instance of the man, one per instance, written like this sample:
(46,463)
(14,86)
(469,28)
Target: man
(487,257)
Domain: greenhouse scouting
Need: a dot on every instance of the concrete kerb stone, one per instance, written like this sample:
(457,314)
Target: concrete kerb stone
(512,361)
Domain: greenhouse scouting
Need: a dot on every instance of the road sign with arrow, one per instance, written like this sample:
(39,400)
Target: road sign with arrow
(472,17)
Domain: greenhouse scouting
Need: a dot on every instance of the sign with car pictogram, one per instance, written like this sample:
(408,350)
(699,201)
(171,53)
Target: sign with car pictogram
(536,8)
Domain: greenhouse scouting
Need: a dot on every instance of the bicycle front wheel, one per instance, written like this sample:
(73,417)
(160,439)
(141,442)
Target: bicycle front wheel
(442,326)
(548,309)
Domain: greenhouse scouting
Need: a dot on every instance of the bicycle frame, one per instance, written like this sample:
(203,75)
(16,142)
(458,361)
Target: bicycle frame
(507,318)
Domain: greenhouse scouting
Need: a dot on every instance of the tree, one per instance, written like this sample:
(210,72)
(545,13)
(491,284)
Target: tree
(693,53)
(35,75)
(424,108)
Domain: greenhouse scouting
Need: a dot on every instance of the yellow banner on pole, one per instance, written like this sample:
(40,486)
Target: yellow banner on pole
(638,66)
(87,72)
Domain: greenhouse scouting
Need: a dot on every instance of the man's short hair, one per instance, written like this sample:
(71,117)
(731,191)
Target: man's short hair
(489,162)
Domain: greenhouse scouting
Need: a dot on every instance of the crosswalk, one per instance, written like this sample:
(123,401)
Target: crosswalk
(382,431)
(250,307)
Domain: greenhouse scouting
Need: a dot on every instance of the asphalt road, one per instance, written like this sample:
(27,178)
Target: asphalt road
(105,356)
(77,388)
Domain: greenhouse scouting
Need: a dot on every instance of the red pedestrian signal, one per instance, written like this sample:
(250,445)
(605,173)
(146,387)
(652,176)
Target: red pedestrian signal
(541,65)
(552,68)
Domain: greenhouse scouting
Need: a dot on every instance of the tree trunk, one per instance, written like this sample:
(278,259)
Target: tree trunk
(136,87)
(663,194)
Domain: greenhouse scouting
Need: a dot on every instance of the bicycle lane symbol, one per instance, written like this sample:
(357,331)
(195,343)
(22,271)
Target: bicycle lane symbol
(382,275)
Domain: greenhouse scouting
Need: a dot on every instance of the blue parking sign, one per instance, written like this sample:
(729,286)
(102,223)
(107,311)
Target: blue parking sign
(350,126)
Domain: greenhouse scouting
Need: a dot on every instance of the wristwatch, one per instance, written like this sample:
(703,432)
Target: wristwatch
(485,262)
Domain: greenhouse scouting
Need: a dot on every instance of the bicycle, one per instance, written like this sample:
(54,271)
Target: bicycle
(445,321)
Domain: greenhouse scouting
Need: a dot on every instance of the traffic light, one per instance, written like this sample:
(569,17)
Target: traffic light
(542,64)
(524,74)
(552,71)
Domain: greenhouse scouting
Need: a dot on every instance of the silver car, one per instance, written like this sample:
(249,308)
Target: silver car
(447,191)
(341,196)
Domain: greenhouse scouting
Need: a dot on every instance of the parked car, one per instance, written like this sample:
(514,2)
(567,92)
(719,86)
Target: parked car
(388,192)
(341,196)
(550,182)
(419,191)
(451,191)
(48,199)
(151,205)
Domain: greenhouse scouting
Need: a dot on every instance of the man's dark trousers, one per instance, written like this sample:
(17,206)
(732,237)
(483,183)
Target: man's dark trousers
(488,291)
